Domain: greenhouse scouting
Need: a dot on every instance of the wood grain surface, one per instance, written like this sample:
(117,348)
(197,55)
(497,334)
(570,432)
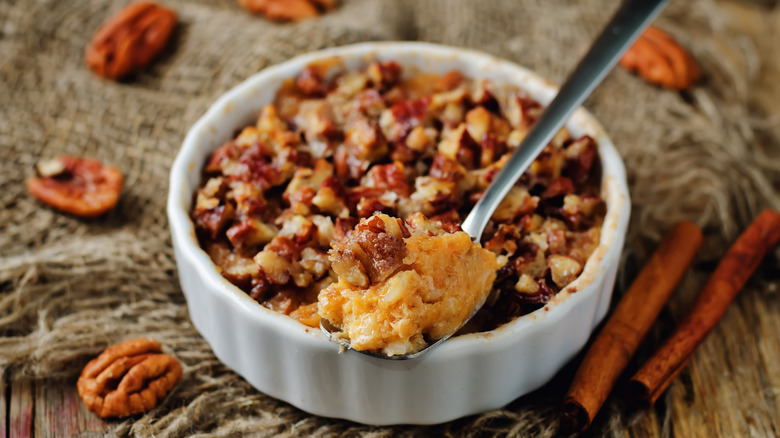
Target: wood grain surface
(3,409)
(731,388)
(60,412)
(21,409)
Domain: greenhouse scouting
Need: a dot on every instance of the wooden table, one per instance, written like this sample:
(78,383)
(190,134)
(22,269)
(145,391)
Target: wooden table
(53,408)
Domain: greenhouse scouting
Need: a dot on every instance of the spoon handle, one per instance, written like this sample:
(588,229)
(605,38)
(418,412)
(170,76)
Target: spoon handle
(624,28)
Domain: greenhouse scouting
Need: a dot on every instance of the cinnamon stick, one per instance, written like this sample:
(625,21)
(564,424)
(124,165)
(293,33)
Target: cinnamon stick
(711,304)
(628,325)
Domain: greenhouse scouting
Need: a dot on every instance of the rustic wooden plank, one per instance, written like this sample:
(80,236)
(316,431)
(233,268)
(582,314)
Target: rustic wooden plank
(724,390)
(3,409)
(20,418)
(60,412)
(729,387)
(769,347)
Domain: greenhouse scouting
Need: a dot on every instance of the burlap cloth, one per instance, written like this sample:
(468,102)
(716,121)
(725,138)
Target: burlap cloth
(70,287)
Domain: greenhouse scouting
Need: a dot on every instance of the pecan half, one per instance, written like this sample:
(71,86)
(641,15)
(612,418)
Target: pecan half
(128,379)
(661,60)
(287,10)
(130,40)
(79,186)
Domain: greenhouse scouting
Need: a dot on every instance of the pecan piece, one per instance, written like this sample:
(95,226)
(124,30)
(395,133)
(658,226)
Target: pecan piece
(130,40)
(459,145)
(399,120)
(448,81)
(331,198)
(128,379)
(372,252)
(384,75)
(311,81)
(563,269)
(234,266)
(390,177)
(80,186)
(213,220)
(661,60)
(287,10)
(223,158)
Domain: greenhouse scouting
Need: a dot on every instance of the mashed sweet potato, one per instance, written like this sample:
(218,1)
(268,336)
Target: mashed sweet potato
(432,283)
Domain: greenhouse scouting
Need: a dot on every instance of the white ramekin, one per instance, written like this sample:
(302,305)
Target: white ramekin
(465,375)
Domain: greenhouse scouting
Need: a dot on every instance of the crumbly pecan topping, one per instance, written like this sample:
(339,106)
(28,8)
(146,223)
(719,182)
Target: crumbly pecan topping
(337,146)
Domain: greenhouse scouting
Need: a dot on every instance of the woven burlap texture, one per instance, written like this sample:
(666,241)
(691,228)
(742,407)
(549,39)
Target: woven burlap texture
(69,287)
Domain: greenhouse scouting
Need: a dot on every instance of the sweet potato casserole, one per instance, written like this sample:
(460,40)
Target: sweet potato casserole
(351,182)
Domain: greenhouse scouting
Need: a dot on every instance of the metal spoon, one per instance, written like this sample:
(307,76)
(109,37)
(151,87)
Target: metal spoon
(626,25)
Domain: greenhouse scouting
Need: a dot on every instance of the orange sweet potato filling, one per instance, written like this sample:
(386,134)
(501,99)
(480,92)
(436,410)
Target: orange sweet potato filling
(438,282)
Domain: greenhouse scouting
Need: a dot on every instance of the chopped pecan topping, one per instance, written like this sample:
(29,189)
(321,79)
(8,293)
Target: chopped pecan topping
(235,267)
(340,152)
(275,267)
(399,120)
(374,251)
(222,159)
(521,111)
(492,149)
(446,169)
(563,269)
(311,82)
(389,178)
(384,75)
(255,166)
(482,95)
(315,120)
(284,301)
(460,146)
(364,140)
(527,285)
(449,81)
(250,232)
(213,220)
(581,154)
(559,187)
(516,203)
(331,198)
(370,103)
(343,226)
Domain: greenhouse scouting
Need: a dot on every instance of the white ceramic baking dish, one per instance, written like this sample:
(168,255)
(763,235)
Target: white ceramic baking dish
(465,375)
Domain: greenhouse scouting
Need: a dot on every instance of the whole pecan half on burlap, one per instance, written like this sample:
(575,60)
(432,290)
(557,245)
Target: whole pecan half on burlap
(287,10)
(129,41)
(128,379)
(80,186)
(661,60)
